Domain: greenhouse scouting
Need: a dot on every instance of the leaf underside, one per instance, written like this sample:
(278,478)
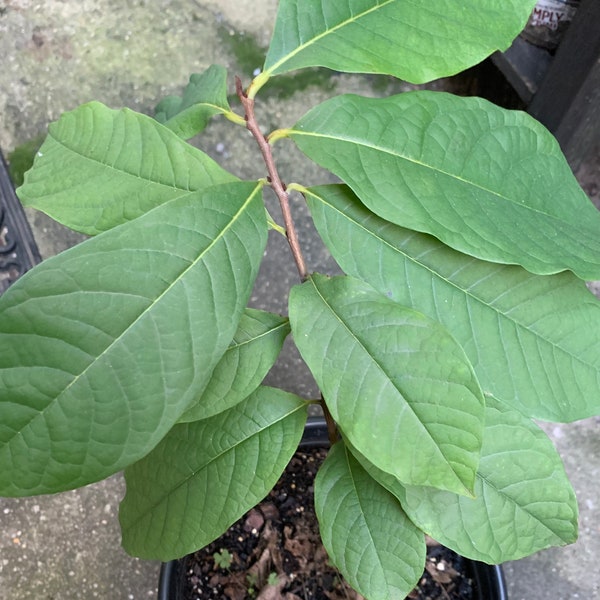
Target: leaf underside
(399,386)
(392,36)
(99,168)
(531,339)
(485,181)
(105,345)
(205,475)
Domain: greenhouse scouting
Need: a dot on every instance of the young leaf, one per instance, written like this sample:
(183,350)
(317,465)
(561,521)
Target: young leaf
(366,533)
(486,181)
(398,384)
(100,167)
(392,36)
(104,346)
(204,96)
(250,355)
(523,499)
(205,475)
(532,340)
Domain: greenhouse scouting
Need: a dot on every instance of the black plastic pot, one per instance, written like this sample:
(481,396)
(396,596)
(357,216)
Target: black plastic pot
(489,578)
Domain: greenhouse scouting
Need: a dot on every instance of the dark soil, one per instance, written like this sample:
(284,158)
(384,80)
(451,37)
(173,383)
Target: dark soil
(274,552)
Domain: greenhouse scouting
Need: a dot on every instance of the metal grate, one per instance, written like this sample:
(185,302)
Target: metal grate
(18,250)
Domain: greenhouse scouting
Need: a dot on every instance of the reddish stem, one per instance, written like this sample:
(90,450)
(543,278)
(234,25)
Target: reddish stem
(274,179)
(332,431)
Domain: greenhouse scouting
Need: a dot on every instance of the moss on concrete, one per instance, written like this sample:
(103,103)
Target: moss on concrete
(21,158)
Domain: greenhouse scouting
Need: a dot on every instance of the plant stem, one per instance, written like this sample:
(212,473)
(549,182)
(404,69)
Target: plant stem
(332,431)
(274,179)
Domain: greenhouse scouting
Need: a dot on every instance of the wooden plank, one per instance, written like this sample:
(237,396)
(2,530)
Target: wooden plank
(568,99)
(579,130)
(524,66)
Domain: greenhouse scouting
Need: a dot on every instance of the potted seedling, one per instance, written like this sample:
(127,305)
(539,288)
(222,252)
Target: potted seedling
(461,316)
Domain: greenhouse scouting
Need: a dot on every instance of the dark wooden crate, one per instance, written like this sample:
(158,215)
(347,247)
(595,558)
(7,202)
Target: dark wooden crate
(562,90)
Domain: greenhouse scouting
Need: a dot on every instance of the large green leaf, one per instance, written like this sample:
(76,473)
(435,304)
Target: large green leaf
(523,499)
(100,167)
(205,475)
(532,340)
(398,384)
(250,355)
(486,181)
(366,533)
(412,40)
(105,345)
(204,96)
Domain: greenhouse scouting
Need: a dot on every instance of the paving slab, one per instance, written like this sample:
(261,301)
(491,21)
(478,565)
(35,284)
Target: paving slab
(58,54)
(571,572)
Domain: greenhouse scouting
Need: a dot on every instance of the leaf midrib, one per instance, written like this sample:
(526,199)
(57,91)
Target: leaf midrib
(255,338)
(364,513)
(193,107)
(106,165)
(414,161)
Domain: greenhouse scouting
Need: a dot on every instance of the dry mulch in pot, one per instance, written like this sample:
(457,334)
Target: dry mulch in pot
(274,552)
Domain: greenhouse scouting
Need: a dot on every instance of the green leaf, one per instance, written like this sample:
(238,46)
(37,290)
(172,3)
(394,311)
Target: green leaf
(532,340)
(204,96)
(486,181)
(104,346)
(250,355)
(399,386)
(524,501)
(205,475)
(385,480)
(366,533)
(413,41)
(100,167)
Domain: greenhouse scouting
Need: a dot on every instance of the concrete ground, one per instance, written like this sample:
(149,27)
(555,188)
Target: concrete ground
(57,54)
